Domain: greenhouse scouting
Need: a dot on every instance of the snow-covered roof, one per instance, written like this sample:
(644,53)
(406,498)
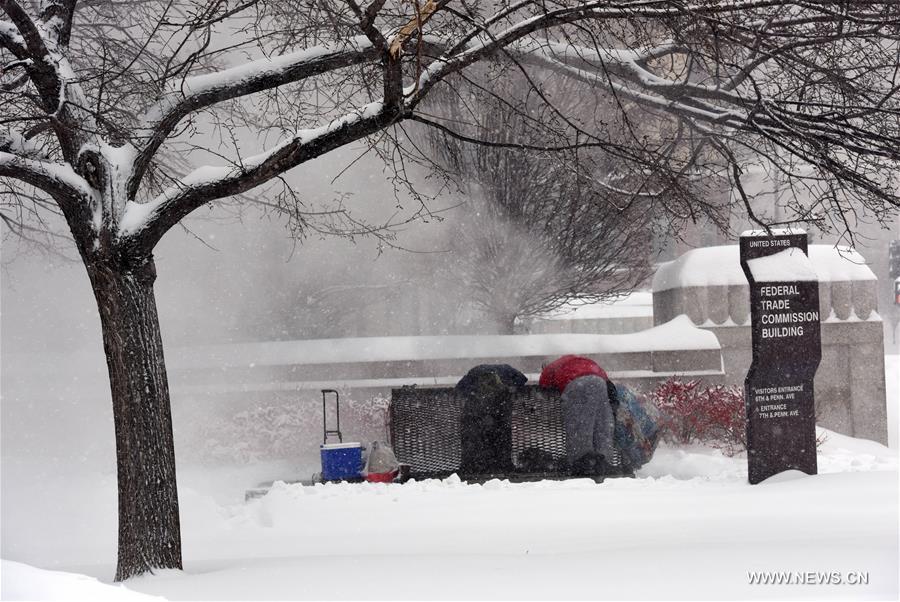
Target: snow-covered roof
(720,266)
(638,304)
(676,335)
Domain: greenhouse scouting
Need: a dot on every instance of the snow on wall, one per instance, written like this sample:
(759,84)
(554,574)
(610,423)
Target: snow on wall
(679,334)
(638,304)
(720,266)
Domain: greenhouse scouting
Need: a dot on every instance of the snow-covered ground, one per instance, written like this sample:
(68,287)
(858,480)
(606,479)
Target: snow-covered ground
(24,582)
(689,527)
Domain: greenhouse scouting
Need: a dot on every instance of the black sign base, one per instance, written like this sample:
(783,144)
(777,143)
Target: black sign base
(781,429)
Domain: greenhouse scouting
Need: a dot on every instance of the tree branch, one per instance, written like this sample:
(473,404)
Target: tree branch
(58,180)
(462,55)
(203,91)
(732,110)
(415,25)
(21,145)
(11,40)
(26,27)
(43,70)
(144,224)
(57,16)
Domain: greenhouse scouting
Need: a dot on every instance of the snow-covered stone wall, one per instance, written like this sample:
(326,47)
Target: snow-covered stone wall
(629,313)
(709,287)
(383,362)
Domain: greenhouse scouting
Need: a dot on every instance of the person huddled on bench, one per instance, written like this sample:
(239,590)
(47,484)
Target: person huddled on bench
(588,414)
(486,421)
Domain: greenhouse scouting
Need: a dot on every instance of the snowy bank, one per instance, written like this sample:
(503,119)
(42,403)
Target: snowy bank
(24,582)
(689,527)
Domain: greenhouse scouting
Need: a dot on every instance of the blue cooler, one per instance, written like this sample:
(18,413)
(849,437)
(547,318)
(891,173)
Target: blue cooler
(341,461)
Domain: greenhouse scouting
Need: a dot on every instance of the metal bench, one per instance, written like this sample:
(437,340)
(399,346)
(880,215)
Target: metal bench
(425,434)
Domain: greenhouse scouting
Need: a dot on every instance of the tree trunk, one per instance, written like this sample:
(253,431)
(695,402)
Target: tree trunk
(506,323)
(149,527)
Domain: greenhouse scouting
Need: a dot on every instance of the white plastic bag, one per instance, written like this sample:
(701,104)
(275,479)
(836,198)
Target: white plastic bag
(381,460)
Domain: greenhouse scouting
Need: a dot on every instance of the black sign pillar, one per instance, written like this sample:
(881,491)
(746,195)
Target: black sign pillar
(778,391)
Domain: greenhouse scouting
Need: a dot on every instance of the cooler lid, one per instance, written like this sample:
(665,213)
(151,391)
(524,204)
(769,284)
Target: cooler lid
(339,445)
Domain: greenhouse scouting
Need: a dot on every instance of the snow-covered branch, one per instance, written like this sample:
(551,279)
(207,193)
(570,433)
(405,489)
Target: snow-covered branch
(11,40)
(57,179)
(57,16)
(15,143)
(51,73)
(145,223)
(648,89)
(745,70)
(26,28)
(480,41)
(626,73)
(623,73)
(201,91)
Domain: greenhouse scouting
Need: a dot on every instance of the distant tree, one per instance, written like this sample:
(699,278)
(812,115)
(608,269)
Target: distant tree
(538,229)
(120,119)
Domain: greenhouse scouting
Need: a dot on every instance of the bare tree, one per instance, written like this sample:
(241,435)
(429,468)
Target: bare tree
(539,229)
(103,107)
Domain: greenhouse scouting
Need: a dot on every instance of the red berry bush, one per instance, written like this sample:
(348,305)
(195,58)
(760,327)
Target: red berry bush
(691,412)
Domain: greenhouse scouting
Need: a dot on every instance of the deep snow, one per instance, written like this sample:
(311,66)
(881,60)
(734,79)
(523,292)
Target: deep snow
(689,527)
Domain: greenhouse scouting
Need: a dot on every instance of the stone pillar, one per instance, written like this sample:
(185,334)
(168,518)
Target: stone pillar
(717,309)
(865,298)
(867,386)
(841,299)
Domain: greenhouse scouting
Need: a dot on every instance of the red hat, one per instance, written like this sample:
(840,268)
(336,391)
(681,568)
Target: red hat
(561,372)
